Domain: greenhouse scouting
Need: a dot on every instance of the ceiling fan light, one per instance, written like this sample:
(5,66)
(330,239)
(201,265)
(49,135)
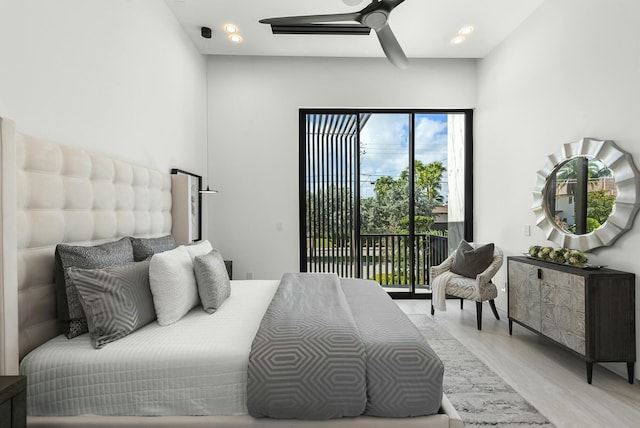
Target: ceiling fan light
(465,31)
(458,39)
(375,20)
(235,38)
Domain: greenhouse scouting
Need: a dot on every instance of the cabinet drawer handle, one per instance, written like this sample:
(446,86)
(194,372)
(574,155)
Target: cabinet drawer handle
(539,273)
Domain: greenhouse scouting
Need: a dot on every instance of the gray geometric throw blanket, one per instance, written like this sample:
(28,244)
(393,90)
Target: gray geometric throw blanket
(307,359)
(330,347)
(404,375)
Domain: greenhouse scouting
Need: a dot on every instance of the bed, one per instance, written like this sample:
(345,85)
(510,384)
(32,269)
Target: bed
(65,195)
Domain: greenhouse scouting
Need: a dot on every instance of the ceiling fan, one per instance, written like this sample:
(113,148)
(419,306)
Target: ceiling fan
(375,17)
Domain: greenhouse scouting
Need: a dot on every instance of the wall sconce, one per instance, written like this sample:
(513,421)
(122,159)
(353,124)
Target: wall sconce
(208,191)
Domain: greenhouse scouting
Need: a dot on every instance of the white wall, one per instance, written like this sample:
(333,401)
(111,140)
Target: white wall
(570,71)
(116,77)
(253,134)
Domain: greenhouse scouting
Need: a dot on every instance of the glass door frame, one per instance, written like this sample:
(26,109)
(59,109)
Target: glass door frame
(468,182)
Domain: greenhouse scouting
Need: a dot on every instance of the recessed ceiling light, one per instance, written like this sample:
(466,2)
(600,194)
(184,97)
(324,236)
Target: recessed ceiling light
(465,31)
(230,28)
(235,38)
(457,40)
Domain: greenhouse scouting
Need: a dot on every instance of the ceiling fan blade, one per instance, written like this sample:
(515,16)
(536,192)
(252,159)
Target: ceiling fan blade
(386,5)
(322,29)
(392,3)
(391,47)
(373,16)
(312,19)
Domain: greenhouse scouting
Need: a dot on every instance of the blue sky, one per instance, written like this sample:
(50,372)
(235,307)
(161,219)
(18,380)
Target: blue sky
(385,140)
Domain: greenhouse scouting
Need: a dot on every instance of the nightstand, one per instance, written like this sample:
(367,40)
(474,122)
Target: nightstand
(13,402)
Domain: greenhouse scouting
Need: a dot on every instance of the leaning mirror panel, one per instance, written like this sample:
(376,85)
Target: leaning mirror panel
(587,194)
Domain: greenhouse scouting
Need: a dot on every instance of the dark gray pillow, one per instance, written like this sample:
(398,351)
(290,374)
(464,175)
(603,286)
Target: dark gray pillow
(117,300)
(214,286)
(145,247)
(470,262)
(72,319)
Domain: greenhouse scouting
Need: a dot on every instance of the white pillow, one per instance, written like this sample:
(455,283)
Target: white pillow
(199,249)
(173,285)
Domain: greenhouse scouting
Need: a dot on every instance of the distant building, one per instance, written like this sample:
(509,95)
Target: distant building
(441,218)
(565,201)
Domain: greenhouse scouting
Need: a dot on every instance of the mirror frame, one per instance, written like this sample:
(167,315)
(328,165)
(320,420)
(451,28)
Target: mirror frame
(627,181)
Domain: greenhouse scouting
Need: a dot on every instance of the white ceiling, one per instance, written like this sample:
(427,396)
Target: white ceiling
(424,28)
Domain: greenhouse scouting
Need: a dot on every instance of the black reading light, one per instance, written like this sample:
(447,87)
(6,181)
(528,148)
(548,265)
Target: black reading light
(209,191)
(206,33)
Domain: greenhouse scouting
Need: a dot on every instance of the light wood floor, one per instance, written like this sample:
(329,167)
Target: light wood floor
(551,379)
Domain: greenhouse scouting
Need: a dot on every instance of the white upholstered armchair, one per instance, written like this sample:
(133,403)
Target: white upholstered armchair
(479,289)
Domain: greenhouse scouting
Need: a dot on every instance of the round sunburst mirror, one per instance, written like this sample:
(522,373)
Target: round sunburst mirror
(587,194)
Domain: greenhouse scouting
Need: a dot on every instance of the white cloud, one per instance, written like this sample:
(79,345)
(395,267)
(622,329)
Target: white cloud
(431,140)
(385,138)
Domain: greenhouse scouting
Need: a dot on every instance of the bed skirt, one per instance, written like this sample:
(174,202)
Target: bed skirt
(447,417)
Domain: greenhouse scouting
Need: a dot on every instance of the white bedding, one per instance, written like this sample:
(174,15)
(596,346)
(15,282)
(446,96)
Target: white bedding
(199,365)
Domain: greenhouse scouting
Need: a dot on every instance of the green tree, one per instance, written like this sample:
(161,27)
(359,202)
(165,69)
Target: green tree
(599,207)
(428,178)
(568,173)
(422,223)
(387,211)
(384,212)
(383,185)
(327,213)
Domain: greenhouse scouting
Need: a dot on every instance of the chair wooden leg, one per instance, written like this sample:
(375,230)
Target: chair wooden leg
(479,315)
(461,304)
(492,303)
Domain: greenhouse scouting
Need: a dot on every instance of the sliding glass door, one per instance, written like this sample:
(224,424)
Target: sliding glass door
(385,201)
(383,193)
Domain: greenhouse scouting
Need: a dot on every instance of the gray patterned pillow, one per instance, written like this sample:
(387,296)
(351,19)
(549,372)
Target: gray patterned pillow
(214,286)
(72,319)
(117,300)
(469,261)
(145,247)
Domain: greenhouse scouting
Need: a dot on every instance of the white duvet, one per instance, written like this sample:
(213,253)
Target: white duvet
(196,366)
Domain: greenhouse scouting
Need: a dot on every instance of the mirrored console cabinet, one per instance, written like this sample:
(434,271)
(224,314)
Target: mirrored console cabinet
(591,312)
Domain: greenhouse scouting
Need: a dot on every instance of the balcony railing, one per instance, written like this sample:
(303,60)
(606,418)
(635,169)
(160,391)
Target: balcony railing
(385,258)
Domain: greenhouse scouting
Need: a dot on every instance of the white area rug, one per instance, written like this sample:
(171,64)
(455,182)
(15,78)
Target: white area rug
(479,395)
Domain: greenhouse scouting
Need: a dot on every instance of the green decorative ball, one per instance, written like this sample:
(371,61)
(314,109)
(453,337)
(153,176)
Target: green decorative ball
(558,255)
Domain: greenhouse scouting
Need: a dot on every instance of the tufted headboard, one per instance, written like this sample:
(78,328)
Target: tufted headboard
(63,194)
